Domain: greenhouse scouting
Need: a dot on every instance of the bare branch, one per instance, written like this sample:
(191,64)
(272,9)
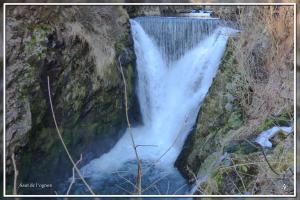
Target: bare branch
(154,182)
(184,185)
(120,187)
(73,176)
(157,190)
(63,143)
(134,146)
(258,146)
(128,181)
(244,187)
(16,174)
(145,145)
(229,178)
(168,188)
(197,186)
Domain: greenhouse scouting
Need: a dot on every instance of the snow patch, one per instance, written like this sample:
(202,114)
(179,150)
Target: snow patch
(264,138)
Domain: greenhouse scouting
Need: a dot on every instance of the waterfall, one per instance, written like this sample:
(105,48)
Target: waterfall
(174,36)
(177,59)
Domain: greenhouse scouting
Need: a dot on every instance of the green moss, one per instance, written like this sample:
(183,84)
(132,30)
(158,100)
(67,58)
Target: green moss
(283,155)
(282,120)
(209,164)
(122,44)
(268,123)
(282,136)
(239,147)
(92,127)
(129,80)
(37,45)
(88,107)
(216,122)
(218,177)
(235,120)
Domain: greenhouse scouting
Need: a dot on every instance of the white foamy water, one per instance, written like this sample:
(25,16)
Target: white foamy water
(170,92)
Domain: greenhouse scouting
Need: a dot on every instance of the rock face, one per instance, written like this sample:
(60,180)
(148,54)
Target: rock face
(219,116)
(224,137)
(78,48)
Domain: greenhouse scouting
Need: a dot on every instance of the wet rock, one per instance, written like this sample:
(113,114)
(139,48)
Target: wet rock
(78,52)
(241,147)
(219,117)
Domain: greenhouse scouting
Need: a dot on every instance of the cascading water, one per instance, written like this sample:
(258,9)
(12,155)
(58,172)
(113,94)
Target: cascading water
(177,59)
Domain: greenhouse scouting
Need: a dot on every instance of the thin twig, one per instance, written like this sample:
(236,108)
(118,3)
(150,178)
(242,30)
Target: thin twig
(264,154)
(168,188)
(184,185)
(157,189)
(15,174)
(239,176)
(267,161)
(198,183)
(139,173)
(73,175)
(63,143)
(145,145)
(128,181)
(120,187)
(168,149)
(229,177)
(154,182)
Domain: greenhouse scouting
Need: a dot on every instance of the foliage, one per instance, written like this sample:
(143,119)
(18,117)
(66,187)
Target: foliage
(260,59)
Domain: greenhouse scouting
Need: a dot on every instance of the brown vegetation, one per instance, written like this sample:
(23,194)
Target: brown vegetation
(263,55)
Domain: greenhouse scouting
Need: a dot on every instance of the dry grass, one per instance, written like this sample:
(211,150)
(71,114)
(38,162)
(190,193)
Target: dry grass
(265,57)
(250,174)
(264,54)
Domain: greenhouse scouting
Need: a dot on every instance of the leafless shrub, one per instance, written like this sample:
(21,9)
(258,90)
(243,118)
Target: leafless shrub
(261,53)
(263,59)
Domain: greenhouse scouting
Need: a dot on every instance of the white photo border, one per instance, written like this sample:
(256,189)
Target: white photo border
(145,4)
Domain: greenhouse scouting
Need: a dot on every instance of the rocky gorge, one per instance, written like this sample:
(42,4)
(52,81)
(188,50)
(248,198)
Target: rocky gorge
(79,49)
(79,54)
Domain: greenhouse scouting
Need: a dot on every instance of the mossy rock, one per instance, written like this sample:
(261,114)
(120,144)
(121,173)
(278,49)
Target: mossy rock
(37,46)
(215,123)
(284,119)
(89,110)
(240,147)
